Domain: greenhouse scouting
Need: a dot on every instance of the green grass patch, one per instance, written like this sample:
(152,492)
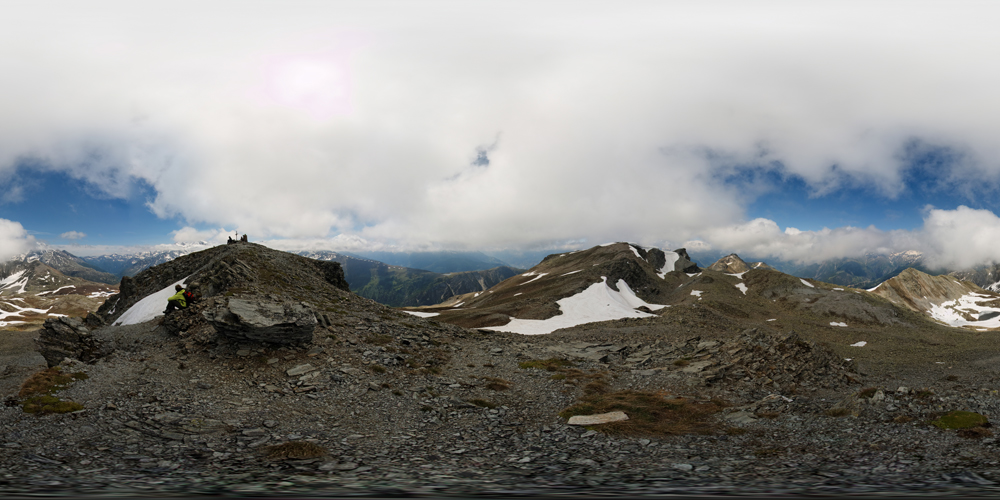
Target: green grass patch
(37,392)
(650,414)
(551,364)
(960,420)
(42,405)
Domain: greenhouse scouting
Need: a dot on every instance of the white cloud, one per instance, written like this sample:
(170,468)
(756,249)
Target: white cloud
(192,235)
(359,122)
(13,239)
(949,239)
(73,235)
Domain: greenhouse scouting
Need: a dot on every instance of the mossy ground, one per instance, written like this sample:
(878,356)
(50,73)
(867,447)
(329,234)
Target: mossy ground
(37,393)
(960,420)
(650,414)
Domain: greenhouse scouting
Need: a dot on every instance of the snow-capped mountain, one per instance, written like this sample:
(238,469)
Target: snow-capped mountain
(133,263)
(65,262)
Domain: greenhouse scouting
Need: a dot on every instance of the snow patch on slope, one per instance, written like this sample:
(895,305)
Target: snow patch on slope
(949,312)
(672,258)
(149,307)
(422,314)
(806,283)
(742,287)
(598,302)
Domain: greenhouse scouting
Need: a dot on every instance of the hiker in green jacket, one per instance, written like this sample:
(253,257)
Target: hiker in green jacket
(177,300)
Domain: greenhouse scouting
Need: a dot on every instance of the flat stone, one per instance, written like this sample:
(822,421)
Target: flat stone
(697,366)
(300,370)
(601,418)
(741,417)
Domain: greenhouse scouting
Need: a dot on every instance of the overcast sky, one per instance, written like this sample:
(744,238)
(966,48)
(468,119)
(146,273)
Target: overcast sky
(792,130)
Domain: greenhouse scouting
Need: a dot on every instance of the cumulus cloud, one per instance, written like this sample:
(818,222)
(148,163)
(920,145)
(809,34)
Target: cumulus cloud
(192,235)
(73,235)
(13,239)
(949,239)
(616,122)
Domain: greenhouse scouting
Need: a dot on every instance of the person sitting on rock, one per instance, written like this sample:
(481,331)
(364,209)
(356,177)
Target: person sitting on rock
(177,300)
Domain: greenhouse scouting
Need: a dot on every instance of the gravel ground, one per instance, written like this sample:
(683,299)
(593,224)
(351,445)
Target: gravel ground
(392,401)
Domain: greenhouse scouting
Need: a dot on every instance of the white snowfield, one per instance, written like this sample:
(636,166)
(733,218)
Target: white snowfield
(14,280)
(422,314)
(18,311)
(597,303)
(742,287)
(948,312)
(672,258)
(859,344)
(571,272)
(806,283)
(834,323)
(148,308)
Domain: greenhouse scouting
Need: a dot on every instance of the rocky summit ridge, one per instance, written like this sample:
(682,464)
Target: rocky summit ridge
(741,383)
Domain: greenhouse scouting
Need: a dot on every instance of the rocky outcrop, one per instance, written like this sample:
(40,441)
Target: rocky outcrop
(62,338)
(333,273)
(730,264)
(684,263)
(263,321)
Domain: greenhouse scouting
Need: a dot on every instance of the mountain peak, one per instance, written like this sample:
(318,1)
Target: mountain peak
(730,264)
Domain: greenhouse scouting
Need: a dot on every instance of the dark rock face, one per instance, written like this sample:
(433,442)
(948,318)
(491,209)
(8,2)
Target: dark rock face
(684,263)
(333,273)
(68,338)
(263,320)
(656,258)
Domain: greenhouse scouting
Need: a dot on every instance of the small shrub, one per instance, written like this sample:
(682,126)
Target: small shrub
(682,362)
(951,378)
(559,376)
(397,392)
(294,450)
(40,387)
(482,403)
(769,414)
(838,412)
(426,408)
(735,431)
(497,384)
(924,394)
(551,364)
(596,387)
(377,368)
(386,385)
(379,339)
(975,433)
(902,419)
(867,393)
(488,365)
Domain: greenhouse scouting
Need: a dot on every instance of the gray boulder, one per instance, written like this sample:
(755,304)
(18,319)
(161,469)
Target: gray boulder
(263,321)
(62,338)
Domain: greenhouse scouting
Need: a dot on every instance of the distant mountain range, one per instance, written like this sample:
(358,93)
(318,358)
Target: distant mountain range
(865,271)
(404,286)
